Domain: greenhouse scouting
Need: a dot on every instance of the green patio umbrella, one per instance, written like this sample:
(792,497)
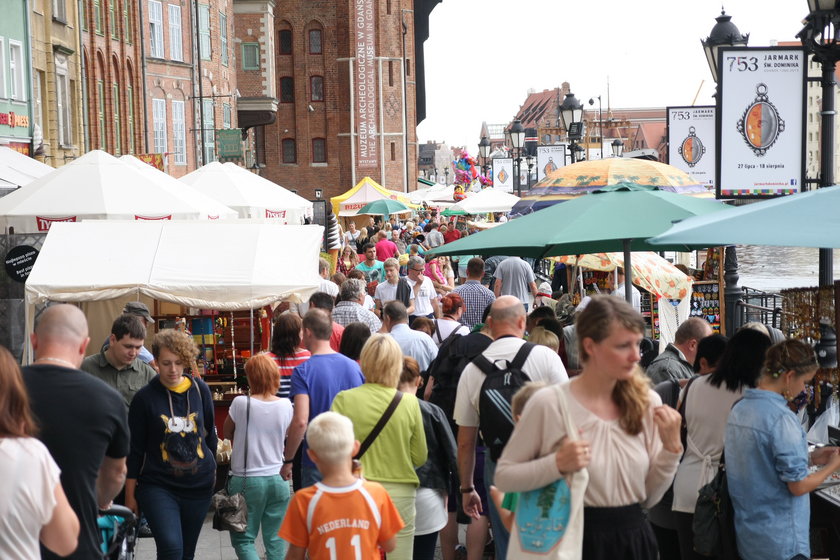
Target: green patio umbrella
(809,219)
(617,218)
(384,207)
(451,211)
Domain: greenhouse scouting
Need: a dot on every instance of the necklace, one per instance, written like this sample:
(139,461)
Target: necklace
(56,360)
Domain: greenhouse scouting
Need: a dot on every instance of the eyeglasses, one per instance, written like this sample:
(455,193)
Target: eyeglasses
(417,269)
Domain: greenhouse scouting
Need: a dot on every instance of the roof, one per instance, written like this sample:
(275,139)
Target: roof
(539,107)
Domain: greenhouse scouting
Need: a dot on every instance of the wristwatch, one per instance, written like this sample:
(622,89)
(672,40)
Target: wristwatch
(468,490)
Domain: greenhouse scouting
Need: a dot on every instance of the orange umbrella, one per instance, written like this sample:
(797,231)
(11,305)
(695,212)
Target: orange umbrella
(650,271)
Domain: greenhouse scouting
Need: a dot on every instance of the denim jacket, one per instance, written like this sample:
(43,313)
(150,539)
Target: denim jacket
(765,449)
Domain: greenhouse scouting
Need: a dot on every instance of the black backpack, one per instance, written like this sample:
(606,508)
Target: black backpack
(454,354)
(500,384)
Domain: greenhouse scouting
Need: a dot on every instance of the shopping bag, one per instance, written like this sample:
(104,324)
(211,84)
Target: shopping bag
(230,511)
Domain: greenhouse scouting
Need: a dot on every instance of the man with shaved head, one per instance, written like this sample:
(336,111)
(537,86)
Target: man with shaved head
(507,326)
(82,420)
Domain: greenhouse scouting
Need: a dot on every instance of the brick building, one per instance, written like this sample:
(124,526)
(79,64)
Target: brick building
(57,115)
(111,63)
(349,80)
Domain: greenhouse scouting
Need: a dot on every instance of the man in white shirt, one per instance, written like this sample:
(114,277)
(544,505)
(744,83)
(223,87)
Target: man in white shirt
(325,285)
(416,344)
(389,290)
(507,326)
(423,291)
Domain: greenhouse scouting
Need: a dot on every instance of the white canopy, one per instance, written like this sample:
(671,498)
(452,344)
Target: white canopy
(487,200)
(96,186)
(17,169)
(208,265)
(249,194)
(211,208)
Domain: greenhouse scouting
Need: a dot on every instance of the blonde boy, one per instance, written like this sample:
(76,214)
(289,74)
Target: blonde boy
(342,516)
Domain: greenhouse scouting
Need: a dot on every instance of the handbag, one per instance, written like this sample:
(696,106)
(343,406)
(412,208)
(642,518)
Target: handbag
(714,518)
(231,510)
(548,522)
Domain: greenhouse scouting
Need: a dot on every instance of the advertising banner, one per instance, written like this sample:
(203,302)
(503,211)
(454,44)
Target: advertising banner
(550,158)
(155,160)
(692,142)
(761,121)
(229,144)
(503,174)
(364,30)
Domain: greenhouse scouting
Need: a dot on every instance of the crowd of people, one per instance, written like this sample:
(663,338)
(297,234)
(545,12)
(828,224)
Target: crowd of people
(410,395)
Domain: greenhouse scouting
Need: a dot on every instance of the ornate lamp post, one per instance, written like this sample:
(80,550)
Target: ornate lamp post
(484,152)
(571,113)
(821,37)
(516,134)
(530,161)
(725,34)
(617,147)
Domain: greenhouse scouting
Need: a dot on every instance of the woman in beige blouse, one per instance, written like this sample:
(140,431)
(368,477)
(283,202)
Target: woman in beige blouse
(629,442)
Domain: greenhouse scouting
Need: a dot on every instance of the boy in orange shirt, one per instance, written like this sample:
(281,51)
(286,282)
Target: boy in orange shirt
(342,516)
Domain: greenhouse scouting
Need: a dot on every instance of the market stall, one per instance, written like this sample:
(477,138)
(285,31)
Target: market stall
(485,201)
(95,186)
(207,273)
(249,194)
(17,170)
(367,190)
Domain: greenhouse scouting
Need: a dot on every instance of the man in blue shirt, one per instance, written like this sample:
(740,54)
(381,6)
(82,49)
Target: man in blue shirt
(416,344)
(315,383)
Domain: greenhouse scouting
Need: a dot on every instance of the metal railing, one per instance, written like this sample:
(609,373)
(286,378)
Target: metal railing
(759,306)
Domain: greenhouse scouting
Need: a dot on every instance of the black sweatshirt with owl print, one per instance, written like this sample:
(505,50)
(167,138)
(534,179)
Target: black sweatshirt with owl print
(173,438)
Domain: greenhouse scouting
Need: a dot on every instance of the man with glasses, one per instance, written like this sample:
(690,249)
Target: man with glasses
(425,296)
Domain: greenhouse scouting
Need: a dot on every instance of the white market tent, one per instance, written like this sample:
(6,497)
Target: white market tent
(95,186)
(211,208)
(225,266)
(17,169)
(249,194)
(486,200)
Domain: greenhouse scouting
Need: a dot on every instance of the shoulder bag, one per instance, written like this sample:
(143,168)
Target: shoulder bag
(230,510)
(548,522)
(392,406)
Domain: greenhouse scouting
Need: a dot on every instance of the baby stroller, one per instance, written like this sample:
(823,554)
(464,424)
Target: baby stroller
(118,529)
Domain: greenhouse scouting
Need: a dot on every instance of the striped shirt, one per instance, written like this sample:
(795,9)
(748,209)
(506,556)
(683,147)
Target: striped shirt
(286,366)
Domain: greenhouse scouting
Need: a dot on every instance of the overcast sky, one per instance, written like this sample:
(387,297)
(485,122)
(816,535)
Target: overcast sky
(648,50)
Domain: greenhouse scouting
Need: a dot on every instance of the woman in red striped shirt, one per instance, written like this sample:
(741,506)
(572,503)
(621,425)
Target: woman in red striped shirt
(286,350)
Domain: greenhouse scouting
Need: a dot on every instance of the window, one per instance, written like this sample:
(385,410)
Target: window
(97,16)
(100,111)
(3,89)
(388,7)
(63,87)
(224,37)
(159,125)
(407,67)
(127,34)
(250,56)
(83,15)
(179,132)
(285,42)
(319,150)
(117,110)
(129,102)
(393,151)
(37,108)
(289,150)
(226,115)
(176,49)
(112,12)
(16,71)
(204,31)
(156,28)
(59,10)
(315,42)
(287,90)
(391,73)
(317,86)
(209,131)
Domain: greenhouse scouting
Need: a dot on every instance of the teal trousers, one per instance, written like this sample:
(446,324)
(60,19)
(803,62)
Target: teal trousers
(267,498)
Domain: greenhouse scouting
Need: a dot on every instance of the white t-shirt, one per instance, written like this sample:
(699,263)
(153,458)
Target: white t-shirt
(27,495)
(543,364)
(423,296)
(445,328)
(267,426)
(325,285)
(636,296)
(385,292)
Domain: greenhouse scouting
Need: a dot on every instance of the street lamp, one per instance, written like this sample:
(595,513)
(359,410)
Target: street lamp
(484,152)
(580,153)
(318,193)
(446,175)
(600,123)
(529,159)
(617,147)
(516,133)
(724,34)
(820,38)
(571,112)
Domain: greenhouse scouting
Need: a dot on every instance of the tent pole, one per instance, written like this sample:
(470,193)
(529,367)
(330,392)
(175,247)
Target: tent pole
(252,332)
(628,273)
